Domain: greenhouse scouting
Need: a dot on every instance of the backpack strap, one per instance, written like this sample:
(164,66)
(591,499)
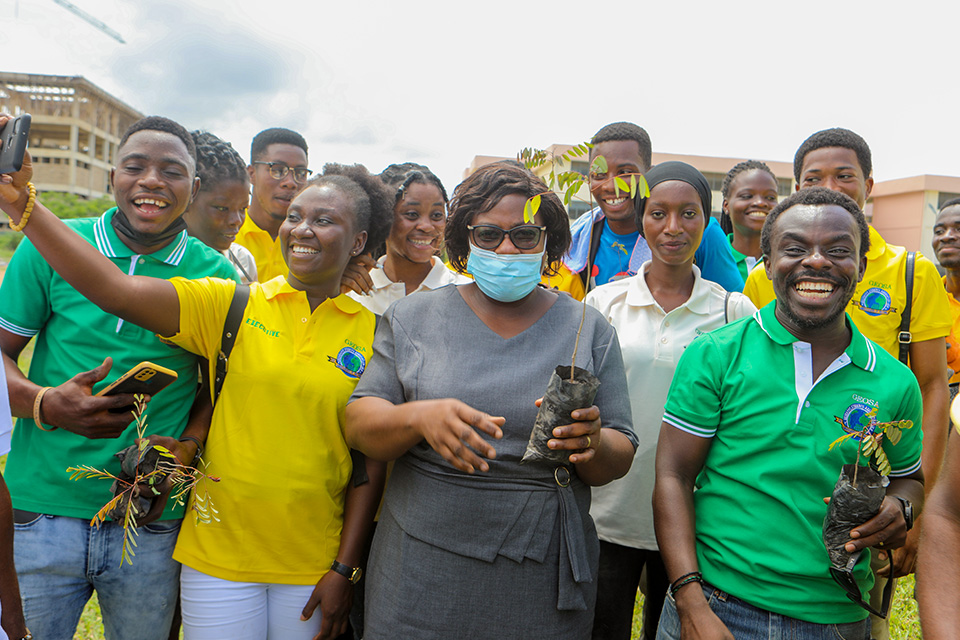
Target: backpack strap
(905,337)
(231,325)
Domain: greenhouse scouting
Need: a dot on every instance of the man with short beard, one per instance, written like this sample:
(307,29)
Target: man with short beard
(840,160)
(752,413)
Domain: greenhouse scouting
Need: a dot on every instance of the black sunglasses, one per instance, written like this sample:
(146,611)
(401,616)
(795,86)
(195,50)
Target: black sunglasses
(844,577)
(489,237)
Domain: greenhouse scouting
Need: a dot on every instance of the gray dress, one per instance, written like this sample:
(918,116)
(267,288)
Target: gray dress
(505,554)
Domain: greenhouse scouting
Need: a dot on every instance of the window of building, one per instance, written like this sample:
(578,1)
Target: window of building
(577,209)
(944,196)
(715,180)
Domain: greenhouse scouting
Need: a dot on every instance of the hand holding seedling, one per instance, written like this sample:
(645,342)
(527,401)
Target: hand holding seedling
(887,529)
(582,436)
(450,427)
(160,490)
(73,407)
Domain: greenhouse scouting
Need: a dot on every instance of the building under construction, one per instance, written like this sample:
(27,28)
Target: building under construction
(75,129)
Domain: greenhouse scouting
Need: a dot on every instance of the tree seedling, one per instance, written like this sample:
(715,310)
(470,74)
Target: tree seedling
(146,465)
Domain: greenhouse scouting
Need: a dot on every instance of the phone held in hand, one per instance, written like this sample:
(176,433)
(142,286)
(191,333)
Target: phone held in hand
(14,138)
(146,378)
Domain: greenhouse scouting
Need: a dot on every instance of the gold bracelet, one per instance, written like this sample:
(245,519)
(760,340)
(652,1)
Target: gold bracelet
(26,210)
(36,409)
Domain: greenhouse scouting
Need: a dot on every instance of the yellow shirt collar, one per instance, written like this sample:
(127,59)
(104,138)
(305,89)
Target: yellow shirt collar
(279,285)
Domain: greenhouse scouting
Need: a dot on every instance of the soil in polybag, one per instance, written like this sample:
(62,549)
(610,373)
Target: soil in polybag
(849,508)
(563,396)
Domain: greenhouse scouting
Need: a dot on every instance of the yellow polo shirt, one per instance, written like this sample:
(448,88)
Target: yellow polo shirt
(266,251)
(953,346)
(565,280)
(276,438)
(880,297)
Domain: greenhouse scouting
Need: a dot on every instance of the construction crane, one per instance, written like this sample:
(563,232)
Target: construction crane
(99,24)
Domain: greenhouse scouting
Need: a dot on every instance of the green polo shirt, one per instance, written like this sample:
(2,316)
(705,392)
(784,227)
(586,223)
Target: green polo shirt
(74,335)
(739,258)
(759,504)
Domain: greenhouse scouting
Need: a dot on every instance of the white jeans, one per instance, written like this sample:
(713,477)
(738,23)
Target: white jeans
(216,609)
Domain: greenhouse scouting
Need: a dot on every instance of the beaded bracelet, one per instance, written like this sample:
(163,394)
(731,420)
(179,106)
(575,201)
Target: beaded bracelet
(36,409)
(685,579)
(26,210)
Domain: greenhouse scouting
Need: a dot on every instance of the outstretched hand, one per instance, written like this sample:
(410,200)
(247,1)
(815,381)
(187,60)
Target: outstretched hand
(73,407)
(451,428)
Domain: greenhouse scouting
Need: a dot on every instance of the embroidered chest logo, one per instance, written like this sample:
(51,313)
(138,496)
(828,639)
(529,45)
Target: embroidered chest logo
(875,302)
(858,415)
(270,333)
(350,361)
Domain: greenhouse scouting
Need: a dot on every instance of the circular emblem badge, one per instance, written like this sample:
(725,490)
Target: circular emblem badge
(875,302)
(351,362)
(852,418)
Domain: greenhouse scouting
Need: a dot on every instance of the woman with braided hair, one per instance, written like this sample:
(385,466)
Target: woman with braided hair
(216,213)
(409,262)
(749,193)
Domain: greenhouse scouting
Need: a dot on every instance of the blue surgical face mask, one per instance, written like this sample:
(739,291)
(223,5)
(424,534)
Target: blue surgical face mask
(505,277)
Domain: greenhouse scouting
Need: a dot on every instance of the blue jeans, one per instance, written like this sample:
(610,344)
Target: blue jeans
(61,561)
(747,622)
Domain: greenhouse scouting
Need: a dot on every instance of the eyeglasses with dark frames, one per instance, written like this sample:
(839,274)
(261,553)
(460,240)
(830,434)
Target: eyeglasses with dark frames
(279,171)
(489,237)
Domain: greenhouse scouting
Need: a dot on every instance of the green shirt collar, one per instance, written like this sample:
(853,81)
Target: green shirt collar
(861,351)
(110,244)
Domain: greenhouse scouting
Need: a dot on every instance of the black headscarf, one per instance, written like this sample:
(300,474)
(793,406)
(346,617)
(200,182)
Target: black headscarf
(674,170)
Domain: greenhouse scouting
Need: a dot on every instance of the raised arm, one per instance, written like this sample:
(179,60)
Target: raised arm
(148,302)
(928,360)
(938,581)
(680,457)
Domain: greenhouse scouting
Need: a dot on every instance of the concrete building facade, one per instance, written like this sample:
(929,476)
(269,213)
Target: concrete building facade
(75,130)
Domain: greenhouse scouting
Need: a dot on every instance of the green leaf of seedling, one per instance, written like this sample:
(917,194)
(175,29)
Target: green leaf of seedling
(633,186)
(893,434)
(599,165)
(530,208)
(644,188)
(621,185)
(571,191)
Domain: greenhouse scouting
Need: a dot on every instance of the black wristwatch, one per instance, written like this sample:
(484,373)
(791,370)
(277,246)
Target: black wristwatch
(907,507)
(350,573)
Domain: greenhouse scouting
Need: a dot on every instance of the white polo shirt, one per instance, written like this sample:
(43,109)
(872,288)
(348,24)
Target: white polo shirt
(652,342)
(385,291)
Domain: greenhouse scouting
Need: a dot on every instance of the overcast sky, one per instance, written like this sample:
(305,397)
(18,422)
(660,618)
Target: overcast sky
(436,82)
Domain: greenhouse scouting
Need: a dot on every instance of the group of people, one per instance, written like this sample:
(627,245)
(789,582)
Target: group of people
(369,415)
